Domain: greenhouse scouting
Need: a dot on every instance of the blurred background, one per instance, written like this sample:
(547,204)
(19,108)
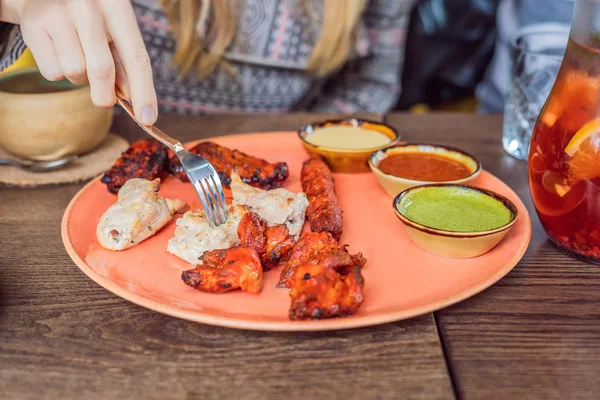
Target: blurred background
(457,51)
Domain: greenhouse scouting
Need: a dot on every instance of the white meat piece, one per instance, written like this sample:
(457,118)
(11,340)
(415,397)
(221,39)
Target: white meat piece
(138,214)
(194,236)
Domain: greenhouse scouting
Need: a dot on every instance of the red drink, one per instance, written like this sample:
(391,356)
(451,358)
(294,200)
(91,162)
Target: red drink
(564,157)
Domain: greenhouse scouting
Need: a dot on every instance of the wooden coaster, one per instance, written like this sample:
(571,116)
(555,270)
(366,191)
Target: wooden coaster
(88,166)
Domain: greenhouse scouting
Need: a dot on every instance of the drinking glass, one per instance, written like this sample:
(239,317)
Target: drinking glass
(536,55)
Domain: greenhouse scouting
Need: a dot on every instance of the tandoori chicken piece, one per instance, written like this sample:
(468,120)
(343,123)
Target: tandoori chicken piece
(339,260)
(279,245)
(144,159)
(323,213)
(308,246)
(138,214)
(276,206)
(225,270)
(253,171)
(251,233)
(318,291)
(319,248)
(271,243)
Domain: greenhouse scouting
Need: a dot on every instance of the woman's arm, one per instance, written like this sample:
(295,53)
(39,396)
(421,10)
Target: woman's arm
(372,83)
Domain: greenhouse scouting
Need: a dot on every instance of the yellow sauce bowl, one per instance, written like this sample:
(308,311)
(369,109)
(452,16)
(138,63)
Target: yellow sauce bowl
(394,184)
(451,244)
(346,160)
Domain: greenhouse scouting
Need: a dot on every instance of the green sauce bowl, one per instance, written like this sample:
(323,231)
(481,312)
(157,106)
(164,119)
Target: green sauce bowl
(455,221)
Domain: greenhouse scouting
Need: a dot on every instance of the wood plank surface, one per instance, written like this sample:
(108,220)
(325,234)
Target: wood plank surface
(536,333)
(64,337)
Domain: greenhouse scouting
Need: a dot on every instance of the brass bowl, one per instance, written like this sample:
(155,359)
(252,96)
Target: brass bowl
(345,160)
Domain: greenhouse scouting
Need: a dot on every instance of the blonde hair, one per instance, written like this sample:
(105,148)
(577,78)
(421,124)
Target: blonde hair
(187,18)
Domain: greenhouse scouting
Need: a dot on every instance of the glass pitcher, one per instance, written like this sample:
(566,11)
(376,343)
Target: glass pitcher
(564,155)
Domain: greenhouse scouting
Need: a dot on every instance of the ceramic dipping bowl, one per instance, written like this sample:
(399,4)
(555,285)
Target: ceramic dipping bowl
(346,155)
(491,217)
(395,184)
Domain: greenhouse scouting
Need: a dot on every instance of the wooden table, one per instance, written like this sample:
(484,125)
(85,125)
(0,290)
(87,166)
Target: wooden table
(535,334)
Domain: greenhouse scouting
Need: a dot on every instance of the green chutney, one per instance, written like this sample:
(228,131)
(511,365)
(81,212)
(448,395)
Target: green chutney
(454,209)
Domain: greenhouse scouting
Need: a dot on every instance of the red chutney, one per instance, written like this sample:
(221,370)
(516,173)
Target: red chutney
(424,167)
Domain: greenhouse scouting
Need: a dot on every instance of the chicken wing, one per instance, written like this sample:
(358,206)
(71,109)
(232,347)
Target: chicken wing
(324,213)
(225,270)
(253,171)
(318,292)
(138,214)
(144,159)
(272,243)
(276,206)
(194,236)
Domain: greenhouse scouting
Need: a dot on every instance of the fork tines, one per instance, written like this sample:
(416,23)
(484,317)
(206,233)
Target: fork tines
(215,206)
(208,186)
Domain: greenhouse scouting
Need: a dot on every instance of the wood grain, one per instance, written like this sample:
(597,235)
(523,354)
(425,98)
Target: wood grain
(536,333)
(62,336)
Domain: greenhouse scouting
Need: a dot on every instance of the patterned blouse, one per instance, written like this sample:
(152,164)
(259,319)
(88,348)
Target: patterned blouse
(272,48)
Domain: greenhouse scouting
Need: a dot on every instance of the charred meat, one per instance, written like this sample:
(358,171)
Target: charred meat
(144,159)
(252,170)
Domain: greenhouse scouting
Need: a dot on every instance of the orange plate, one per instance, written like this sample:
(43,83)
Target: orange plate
(401,281)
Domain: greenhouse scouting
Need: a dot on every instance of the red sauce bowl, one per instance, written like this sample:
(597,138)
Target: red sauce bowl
(393,184)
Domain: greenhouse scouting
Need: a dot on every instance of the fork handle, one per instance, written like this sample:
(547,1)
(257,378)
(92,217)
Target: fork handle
(153,131)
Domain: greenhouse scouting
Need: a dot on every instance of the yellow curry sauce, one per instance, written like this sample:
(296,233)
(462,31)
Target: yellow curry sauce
(347,138)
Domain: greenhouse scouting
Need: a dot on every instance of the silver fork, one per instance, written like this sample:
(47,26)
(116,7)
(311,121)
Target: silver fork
(199,171)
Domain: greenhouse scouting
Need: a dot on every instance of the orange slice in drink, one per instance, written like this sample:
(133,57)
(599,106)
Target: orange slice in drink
(584,153)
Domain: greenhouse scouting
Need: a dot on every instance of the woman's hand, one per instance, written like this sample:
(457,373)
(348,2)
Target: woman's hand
(95,41)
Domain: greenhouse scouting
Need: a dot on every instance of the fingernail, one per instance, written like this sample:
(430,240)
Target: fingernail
(148,115)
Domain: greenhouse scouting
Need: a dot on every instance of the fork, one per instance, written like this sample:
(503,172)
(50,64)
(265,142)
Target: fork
(200,172)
